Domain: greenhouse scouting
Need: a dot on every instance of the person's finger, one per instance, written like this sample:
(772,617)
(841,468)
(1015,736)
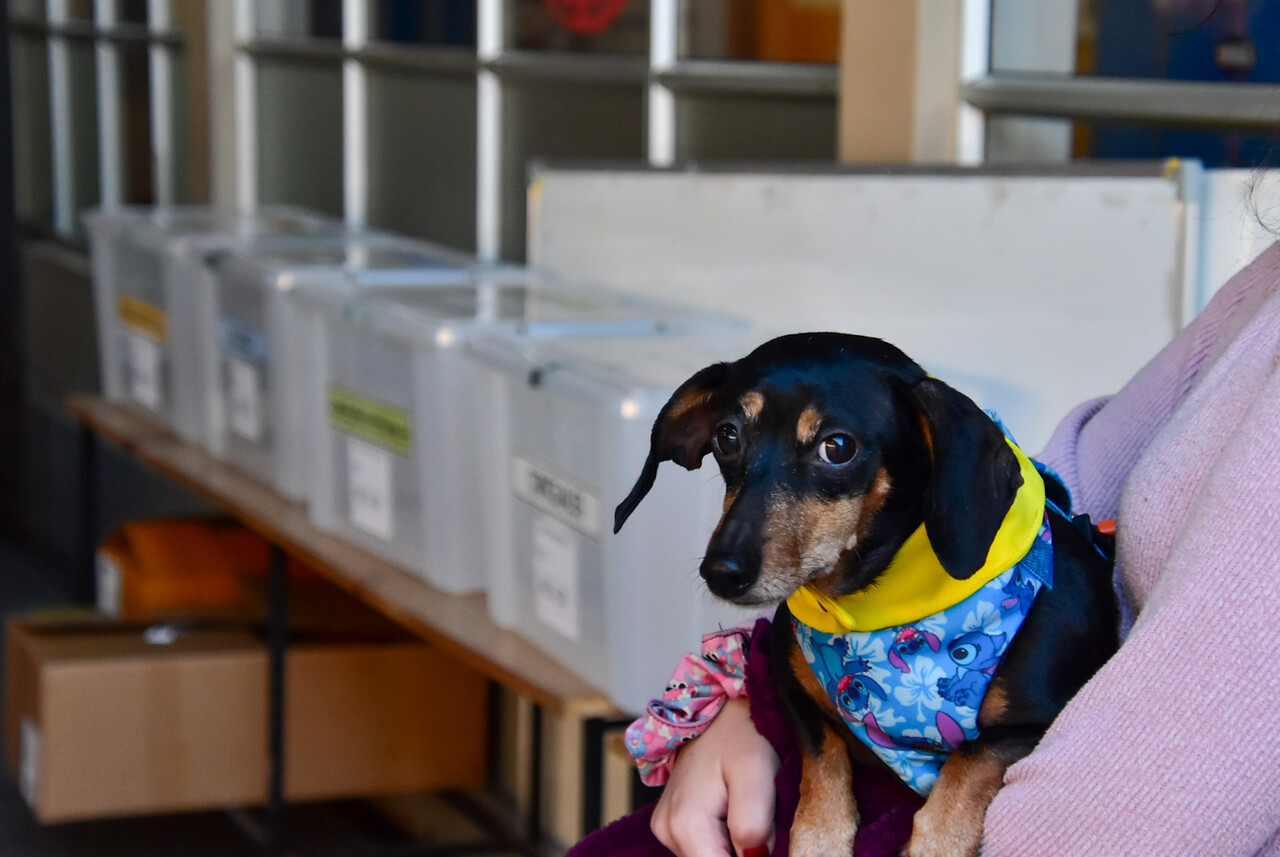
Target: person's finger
(694,826)
(751,799)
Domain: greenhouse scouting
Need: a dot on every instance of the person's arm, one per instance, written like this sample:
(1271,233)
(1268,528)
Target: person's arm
(1096,445)
(1172,747)
(719,795)
(719,800)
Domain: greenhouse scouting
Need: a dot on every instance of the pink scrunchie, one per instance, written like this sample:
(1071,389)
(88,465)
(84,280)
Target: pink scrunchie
(698,689)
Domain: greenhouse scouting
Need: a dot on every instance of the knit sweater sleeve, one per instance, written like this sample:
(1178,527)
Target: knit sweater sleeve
(1097,444)
(1171,748)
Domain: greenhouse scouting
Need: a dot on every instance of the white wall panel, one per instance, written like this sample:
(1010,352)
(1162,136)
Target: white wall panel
(1032,292)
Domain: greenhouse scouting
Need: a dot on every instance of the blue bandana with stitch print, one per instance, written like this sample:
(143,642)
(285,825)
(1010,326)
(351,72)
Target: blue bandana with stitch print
(911,692)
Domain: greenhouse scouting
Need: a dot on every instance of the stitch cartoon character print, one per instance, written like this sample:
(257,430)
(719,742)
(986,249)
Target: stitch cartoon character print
(911,693)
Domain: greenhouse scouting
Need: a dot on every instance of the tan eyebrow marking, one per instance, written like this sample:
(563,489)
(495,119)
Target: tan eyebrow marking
(807,426)
(752,404)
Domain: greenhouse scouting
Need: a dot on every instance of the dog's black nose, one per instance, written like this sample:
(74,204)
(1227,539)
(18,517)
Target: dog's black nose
(725,576)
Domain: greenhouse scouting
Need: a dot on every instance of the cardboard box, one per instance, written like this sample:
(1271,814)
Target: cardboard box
(205,570)
(798,30)
(166,567)
(106,719)
(378,718)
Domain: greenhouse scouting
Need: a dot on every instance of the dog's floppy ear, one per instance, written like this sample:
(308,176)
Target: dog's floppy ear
(681,433)
(975,477)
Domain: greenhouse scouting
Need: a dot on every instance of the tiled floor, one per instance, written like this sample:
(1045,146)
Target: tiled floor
(349,828)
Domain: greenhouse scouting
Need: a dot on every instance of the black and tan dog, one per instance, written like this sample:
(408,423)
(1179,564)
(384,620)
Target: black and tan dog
(835,450)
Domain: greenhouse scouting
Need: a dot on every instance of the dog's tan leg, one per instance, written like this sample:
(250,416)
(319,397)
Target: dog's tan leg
(950,822)
(826,816)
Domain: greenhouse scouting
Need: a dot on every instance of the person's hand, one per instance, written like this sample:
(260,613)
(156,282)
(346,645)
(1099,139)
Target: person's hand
(720,798)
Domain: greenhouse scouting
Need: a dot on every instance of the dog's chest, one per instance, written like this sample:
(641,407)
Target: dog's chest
(911,693)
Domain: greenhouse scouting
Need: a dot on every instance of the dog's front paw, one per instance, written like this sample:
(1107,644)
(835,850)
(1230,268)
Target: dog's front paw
(944,831)
(823,837)
(948,845)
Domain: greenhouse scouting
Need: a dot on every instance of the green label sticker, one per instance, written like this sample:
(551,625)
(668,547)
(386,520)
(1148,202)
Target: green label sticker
(384,425)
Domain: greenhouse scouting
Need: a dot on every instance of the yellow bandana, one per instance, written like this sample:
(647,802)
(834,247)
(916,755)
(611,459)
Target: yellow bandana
(915,584)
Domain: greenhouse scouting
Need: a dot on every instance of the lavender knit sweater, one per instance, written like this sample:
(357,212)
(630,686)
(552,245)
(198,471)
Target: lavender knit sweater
(1174,746)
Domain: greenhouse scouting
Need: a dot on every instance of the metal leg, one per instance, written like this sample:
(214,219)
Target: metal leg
(592,773)
(642,795)
(535,786)
(88,508)
(277,648)
(594,730)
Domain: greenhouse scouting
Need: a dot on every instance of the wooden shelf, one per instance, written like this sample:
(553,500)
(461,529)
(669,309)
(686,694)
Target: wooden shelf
(459,625)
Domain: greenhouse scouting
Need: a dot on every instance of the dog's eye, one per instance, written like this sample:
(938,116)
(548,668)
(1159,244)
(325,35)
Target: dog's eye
(838,449)
(727,441)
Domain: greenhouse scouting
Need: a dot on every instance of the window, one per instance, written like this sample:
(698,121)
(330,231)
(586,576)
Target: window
(431,111)
(98,101)
(1125,79)
(418,116)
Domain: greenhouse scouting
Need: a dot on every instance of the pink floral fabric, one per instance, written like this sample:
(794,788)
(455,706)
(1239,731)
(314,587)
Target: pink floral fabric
(698,689)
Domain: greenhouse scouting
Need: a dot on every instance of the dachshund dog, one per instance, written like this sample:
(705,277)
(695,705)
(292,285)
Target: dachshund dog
(943,607)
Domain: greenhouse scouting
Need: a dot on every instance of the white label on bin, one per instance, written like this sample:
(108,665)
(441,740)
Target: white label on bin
(244,399)
(29,760)
(548,491)
(369,487)
(144,371)
(108,574)
(555,575)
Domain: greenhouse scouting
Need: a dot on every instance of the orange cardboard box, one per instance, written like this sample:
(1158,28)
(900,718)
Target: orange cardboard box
(155,568)
(100,722)
(798,30)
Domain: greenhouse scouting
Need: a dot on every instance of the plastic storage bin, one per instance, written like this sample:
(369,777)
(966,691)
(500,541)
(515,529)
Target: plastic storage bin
(256,368)
(397,438)
(567,426)
(148,295)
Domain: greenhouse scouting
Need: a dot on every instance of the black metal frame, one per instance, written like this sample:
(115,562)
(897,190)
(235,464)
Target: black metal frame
(594,731)
(12,344)
(277,654)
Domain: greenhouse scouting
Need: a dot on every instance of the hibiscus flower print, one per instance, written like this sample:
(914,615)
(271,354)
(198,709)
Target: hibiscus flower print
(919,687)
(984,618)
(935,624)
(806,648)
(918,770)
(900,766)
(887,716)
(923,781)
(870,648)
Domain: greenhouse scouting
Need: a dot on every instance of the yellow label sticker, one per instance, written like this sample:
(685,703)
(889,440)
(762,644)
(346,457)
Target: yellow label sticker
(147,319)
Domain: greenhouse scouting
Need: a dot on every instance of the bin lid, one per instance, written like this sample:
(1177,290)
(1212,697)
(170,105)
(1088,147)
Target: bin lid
(633,376)
(529,304)
(340,263)
(181,226)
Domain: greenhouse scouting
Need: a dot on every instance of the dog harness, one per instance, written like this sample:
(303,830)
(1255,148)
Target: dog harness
(907,662)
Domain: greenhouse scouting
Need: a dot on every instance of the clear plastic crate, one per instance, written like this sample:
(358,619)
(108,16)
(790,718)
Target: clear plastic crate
(256,368)
(568,426)
(149,295)
(397,435)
